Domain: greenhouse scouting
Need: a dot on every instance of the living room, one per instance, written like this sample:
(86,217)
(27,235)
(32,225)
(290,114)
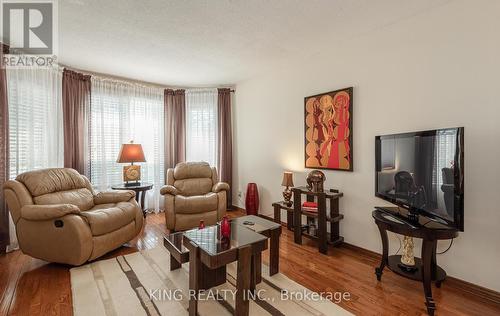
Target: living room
(249,157)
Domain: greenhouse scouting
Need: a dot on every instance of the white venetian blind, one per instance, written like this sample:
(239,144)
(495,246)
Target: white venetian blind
(35,119)
(201,125)
(445,153)
(121,112)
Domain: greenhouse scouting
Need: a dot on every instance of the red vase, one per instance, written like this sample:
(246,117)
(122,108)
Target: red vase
(225,228)
(252,199)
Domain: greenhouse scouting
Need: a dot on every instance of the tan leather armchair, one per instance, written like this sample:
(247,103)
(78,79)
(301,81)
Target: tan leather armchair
(59,218)
(193,193)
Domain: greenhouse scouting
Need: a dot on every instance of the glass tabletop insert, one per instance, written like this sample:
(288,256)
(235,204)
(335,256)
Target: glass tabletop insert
(209,238)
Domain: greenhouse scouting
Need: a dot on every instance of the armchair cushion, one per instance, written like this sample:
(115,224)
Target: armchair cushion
(196,204)
(169,189)
(82,198)
(221,186)
(106,218)
(44,181)
(189,170)
(47,212)
(113,196)
(194,186)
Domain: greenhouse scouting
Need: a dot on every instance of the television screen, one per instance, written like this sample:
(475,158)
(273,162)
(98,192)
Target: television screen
(423,172)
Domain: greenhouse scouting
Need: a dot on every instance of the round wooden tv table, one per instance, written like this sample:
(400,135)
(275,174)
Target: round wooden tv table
(430,232)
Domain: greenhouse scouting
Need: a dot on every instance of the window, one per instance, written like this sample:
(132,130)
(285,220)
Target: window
(35,119)
(201,125)
(445,148)
(121,112)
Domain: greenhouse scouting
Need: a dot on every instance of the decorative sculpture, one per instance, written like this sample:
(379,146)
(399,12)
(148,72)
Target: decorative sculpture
(408,259)
(315,180)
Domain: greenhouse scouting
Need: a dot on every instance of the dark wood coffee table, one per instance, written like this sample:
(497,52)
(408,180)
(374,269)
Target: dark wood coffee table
(208,250)
(208,254)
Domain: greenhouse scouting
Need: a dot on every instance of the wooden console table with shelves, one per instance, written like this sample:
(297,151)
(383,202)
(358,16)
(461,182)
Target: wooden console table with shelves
(322,217)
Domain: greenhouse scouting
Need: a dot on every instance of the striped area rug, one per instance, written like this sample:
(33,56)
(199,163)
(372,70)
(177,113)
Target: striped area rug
(142,284)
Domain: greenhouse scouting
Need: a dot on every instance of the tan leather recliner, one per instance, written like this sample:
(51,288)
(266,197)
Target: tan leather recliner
(59,217)
(193,193)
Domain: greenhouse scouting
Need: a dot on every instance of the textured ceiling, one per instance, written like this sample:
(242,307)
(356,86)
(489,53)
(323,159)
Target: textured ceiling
(212,42)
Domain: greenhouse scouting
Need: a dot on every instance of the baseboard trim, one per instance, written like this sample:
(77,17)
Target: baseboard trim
(237,208)
(476,290)
(473,289)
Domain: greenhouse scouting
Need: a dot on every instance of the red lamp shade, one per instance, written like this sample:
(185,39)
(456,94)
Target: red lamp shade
(131,153)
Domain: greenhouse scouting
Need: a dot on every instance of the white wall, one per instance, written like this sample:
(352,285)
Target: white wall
(436,69)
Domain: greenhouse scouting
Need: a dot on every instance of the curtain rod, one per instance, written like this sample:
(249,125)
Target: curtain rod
(127,80)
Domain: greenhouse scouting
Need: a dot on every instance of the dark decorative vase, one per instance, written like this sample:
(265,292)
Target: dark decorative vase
(252,199)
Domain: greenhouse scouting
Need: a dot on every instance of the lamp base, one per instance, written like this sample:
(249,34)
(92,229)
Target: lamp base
(287,195)
(132,175)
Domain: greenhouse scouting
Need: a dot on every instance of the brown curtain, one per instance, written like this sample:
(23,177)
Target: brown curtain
(76,106)
(225,141)
(175,128)
(4,152)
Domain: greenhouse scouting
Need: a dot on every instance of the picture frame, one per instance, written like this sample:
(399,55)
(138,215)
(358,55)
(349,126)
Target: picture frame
(328,130)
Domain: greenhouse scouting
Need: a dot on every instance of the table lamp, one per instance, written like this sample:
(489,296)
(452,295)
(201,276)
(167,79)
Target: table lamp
(130,153)
(287,183)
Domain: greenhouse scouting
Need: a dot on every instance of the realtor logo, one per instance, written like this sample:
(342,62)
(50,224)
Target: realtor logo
(28,27)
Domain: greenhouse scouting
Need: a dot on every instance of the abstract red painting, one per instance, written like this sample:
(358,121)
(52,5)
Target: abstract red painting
(328,130)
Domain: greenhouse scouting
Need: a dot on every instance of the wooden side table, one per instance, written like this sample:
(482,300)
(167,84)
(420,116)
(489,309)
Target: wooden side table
(140,192)
(333,217)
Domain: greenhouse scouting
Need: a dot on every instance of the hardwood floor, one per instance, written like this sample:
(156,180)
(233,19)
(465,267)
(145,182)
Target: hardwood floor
(33,287)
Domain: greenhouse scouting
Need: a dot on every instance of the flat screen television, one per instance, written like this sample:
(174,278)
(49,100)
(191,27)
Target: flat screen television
(423,172)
